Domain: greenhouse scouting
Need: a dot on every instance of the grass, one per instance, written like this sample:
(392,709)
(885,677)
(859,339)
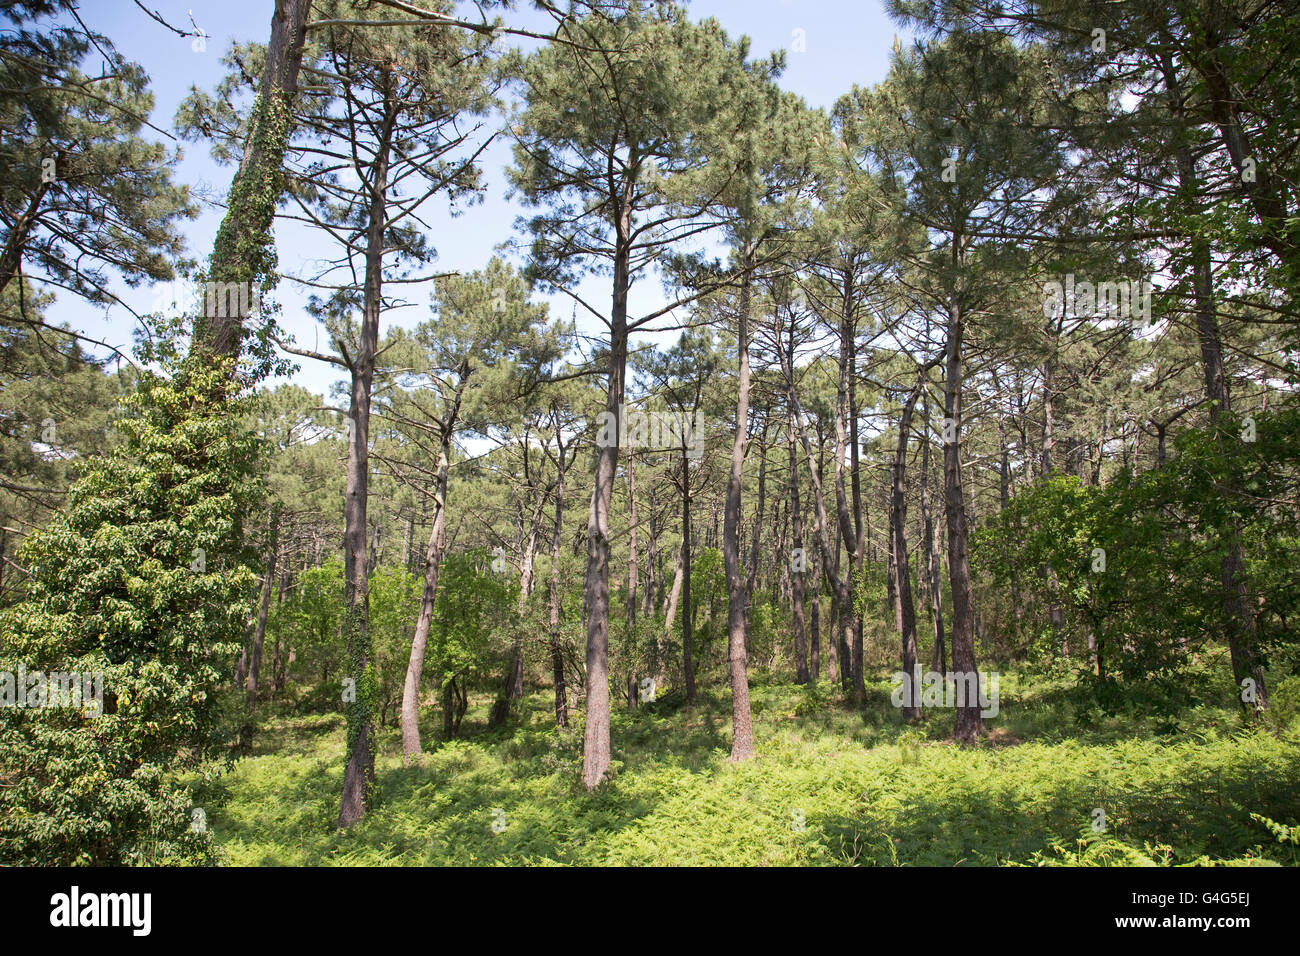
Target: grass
(831,785)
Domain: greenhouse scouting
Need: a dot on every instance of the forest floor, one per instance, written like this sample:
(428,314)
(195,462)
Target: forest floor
(831,785)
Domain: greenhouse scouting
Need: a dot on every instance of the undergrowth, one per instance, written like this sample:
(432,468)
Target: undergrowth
(1049,785)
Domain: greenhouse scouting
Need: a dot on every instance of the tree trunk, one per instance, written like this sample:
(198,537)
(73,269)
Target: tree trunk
(756,537)
(1232,564)
(1265,191)
(264,608)
(359,773)
(798,572)
(742,733)
(277,662)
(449,699)
(1004,500)
(1056,614)
(815,627)
(688,662)
(674,596)
(512,687)
(243,250)
(596,742)
(841,613)
(633,572)
(969,723)
(933,563)
(841,585)
(861,526)
(850,522)
(652,561)
(432,565)
(557,534)
(12,255)
(904,609)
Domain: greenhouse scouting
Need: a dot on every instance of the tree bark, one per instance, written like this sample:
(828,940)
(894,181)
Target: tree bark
(359,773)
(674,595)
(969,723)
(904,609)
(264,607)
(797,573)
(243,242)
(850,525)
(1056,614)
(841,595)
(933,561)
(512,687)
(756,537)
(433,556)
(742,732)
(557,535)
(12,256)
(652,561)
(1241,635)
(688,620)
(1004,500)
(633,573)
(596,741)
(815,626)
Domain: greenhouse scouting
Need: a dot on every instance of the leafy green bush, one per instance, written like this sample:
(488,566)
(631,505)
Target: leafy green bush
(473,606)
(142,578)
(1138,560)
(394,606)
(1284,702)
(308,623)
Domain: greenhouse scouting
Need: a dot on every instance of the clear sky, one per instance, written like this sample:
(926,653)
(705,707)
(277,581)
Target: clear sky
(831,45)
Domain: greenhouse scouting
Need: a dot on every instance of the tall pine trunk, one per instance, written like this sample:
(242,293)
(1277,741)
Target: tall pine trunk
(633,573)
(848,627)
(1238,609)
(1056,614)
(742,732)
(932,558)
(243,250)
(969,723)
(358,775)
(553,598)
(433,556)
(905,610)
(799,572)
(512,686)
(596,742)
(688,619)
(264,607)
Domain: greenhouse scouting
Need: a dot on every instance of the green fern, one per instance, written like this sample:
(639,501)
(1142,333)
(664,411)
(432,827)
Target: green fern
(1281,832)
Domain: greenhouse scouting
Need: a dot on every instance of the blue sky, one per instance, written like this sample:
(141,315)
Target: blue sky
(831,45)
